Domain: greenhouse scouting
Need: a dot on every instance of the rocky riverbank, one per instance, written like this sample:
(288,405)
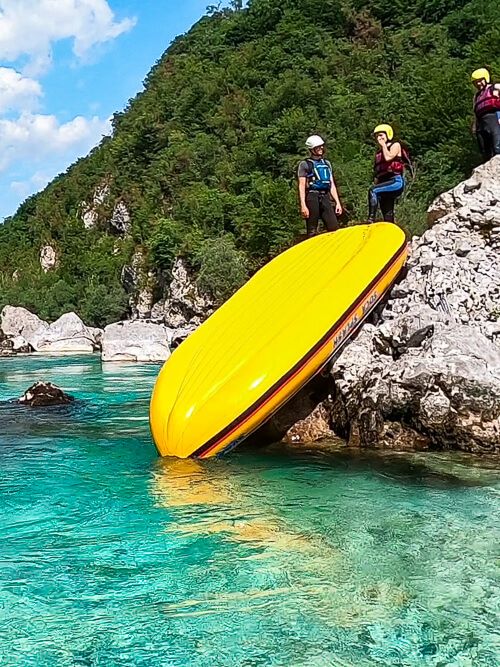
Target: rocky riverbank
(425,376)
(150,336)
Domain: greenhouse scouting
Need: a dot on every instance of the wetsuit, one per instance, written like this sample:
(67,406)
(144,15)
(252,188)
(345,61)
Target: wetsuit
(487,110)
(389,185)
(318,195)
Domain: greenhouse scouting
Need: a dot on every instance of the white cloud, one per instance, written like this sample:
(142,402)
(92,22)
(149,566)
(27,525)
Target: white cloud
(30,27)
(17,92)
(34,146)
(33,184)
(38,137)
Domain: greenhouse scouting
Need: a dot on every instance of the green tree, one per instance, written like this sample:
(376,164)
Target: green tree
(209,149)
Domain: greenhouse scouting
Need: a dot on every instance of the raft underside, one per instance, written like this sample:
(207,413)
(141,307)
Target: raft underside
(309,366)
(270,338)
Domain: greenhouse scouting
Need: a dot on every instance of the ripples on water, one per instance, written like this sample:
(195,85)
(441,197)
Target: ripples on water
(109,556)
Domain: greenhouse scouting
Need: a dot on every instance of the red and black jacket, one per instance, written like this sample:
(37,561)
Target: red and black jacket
(485,101)
(384,167)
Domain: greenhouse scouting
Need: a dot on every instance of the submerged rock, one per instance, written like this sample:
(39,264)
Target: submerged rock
(44,394)
(135,341)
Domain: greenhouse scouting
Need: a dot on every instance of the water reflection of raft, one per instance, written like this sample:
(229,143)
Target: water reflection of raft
(270,338)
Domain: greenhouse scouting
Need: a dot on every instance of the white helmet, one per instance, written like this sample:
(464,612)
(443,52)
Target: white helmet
(314,141)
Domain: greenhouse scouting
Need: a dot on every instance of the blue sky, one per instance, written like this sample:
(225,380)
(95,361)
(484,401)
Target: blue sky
(65,68)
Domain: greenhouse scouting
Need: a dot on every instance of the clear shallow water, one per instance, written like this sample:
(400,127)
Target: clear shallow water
(109,556)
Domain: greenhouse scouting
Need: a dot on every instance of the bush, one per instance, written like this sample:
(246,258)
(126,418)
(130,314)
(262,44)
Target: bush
(165,243)
(223,268)
(103,304)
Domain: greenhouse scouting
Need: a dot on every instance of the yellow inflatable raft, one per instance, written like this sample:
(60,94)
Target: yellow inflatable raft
(270,338)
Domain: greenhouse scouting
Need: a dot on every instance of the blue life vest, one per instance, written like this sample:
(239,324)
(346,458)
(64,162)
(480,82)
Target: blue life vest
(320,175)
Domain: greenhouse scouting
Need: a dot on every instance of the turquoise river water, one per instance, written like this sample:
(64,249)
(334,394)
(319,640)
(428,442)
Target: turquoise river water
(111,556)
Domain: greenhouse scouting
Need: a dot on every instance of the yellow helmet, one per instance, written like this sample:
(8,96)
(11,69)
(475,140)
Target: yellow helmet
(481,73)
(384,128)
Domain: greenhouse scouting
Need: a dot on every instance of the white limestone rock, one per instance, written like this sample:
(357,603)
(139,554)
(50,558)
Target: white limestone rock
(454,267)
(89,212)
(184,306)
(445,388)
(135,340)
(139,282)
(120,219)
(428,375)
(20,345)
(18,321)
(48,258)
(67,334)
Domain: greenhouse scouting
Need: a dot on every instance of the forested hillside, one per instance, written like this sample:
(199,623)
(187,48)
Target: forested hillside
(209,149)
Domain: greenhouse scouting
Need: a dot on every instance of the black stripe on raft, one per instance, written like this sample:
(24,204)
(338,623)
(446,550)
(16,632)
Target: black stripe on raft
(297,367)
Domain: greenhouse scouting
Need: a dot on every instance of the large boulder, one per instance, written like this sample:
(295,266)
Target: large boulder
(67,334)
(135,340)
(27,332)
(17,321)
(419,385)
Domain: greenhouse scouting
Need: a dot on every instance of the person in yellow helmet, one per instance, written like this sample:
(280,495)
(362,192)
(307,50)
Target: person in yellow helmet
(487,112)
(389,182)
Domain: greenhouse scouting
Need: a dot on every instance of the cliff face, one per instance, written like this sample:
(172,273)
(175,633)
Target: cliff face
(209,149)
(427,376)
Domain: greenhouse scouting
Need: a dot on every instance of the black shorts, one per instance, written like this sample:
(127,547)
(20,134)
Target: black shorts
(320,206)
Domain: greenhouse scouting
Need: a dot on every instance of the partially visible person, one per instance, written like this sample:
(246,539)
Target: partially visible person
(389,182)
(317,190)
(487,113)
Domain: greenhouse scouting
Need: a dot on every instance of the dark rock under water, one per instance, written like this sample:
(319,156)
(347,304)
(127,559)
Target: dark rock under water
(43,394)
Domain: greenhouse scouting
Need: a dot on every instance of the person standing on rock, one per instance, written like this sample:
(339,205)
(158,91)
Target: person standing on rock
(389,167)
(487,112)
(317,189)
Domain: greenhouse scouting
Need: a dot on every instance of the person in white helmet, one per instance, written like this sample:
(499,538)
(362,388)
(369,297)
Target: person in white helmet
(317,189)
